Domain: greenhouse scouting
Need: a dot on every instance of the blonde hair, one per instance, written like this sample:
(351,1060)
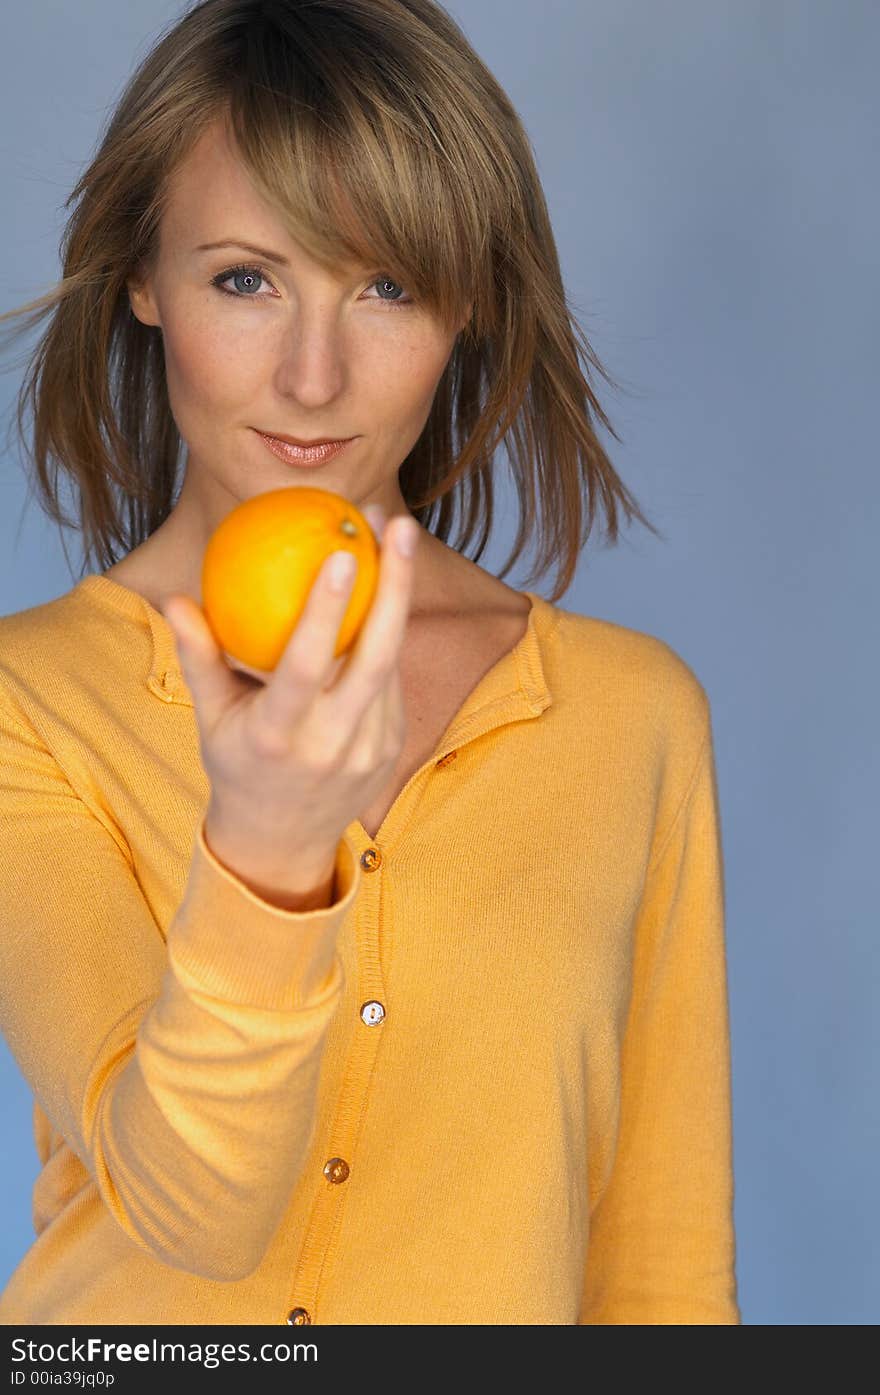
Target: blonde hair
(377,133)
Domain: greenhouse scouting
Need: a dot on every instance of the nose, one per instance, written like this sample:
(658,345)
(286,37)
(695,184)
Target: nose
(313,365)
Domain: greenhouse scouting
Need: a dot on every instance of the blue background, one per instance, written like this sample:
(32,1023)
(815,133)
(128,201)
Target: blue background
(710,170)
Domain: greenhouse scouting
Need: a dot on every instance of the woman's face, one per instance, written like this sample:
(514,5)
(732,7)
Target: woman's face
(288,349)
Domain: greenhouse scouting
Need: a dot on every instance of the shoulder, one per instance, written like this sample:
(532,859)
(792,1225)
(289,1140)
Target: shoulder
(628,708)
(28,640)
(643,670)
(631,715)
(29,635)
(49,652)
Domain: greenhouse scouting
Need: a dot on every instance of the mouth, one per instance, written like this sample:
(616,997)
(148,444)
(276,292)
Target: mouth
(303,452)
(298,441)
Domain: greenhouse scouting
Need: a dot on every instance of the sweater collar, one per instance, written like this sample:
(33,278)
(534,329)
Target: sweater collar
(513,689)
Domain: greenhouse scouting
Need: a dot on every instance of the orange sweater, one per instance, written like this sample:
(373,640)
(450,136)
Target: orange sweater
(489,1084)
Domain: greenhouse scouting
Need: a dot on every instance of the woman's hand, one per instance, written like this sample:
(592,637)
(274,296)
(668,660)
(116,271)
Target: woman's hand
(293,760)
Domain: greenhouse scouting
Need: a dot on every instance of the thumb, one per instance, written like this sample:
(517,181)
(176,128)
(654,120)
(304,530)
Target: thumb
(209,678)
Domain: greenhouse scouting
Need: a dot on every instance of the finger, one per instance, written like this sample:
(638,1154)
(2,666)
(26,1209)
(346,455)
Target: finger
(376,517)
(377,647)
(371,732)
(208,676)
(309,655)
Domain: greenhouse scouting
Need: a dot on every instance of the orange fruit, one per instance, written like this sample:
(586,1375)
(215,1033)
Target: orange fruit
(262,560)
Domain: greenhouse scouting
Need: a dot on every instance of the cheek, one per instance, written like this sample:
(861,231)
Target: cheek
(209,361)
(401,373)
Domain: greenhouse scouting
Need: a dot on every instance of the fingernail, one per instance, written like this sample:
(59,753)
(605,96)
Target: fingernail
(375,516)
(182,635)
(405,538)
(340,570)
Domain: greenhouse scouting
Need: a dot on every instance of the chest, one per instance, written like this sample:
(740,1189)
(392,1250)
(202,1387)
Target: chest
(438,673)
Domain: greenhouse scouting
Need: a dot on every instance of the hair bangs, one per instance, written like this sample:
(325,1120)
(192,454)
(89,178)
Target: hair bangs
(351,162)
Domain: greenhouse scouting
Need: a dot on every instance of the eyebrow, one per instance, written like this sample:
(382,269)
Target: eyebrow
(245,247)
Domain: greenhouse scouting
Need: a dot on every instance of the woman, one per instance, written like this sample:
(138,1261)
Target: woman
(390,990)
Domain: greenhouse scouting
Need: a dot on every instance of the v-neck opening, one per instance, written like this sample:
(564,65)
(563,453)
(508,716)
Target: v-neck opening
(490,689)
(166,673)
(513,689)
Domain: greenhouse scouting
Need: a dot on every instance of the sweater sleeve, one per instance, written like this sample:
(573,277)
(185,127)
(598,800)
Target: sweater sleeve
(183,1073)
(662,1244)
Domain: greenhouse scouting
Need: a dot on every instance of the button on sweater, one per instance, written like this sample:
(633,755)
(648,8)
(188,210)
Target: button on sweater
(488,1084)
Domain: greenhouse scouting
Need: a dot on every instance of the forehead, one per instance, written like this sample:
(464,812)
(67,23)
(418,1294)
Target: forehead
(209,181)
(211,197)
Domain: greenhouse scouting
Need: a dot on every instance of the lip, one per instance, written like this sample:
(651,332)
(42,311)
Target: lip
(314,454)
(296,441)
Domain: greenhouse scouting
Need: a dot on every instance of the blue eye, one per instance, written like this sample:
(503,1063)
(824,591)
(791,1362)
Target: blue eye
(257,272)
(387,281)
(252,271)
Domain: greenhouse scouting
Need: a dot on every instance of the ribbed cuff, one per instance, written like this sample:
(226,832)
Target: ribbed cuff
(242,949)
